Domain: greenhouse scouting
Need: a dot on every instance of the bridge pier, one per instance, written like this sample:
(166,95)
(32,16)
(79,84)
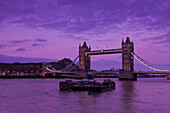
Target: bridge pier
(127,75)
(82,74)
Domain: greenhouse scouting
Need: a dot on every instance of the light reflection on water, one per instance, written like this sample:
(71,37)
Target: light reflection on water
(43,96)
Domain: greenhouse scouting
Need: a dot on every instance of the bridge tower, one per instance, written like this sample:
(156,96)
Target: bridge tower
(84,59)
(127,61)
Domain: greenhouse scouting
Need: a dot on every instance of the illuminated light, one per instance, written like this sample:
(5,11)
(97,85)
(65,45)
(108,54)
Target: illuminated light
(101,50)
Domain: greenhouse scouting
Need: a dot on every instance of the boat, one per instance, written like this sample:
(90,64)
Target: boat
(70,85)
(167,77)
(86,85)
(101,87)
(67,85)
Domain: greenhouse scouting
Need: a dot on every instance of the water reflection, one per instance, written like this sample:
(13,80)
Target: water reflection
(85,103)
(128,96)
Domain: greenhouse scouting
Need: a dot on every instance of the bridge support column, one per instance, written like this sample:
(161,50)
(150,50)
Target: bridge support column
(127,61)
(81,74)
(127,75)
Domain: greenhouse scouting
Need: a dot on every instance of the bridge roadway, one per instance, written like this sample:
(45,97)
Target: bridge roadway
(61,72)
(102,51)
(113,72)
(107,72)
(136,72)
(150,72)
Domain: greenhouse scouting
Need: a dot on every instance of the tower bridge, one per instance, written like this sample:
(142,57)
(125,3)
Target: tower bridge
(127,58)
(126,73)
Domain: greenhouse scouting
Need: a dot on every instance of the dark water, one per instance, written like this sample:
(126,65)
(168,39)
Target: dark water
(147,95)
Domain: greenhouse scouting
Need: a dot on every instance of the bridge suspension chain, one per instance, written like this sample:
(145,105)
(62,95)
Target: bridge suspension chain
(147,64)
(144,61)
(51,70)
(63,69)
(69,65)
(70,69)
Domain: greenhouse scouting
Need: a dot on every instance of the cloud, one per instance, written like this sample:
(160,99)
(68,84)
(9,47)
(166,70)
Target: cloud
(75,16)
(79,16)
(21,49)
(22,45)
(40,40)
(92,20)
(36,45)
(80,38)
(11,59)
(161,39)
(27,40)
(2,46)
(18,41)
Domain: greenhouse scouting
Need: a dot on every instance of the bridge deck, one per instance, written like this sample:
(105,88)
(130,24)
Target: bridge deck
(143,72)
(61,72)
(102,51)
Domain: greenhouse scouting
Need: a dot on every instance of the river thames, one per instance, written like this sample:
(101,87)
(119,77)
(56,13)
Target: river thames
(147,95)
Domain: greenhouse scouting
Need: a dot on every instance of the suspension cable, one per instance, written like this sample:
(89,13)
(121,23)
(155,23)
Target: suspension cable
(147,64)
(73,67)
(63,69)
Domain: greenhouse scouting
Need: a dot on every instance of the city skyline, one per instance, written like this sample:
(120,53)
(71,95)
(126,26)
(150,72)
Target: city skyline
(52,30)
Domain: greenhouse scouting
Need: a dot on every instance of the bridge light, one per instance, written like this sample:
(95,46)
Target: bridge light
(101,50)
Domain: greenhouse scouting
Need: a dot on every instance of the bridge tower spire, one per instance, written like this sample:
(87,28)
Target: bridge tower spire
(84,59)
(127,61)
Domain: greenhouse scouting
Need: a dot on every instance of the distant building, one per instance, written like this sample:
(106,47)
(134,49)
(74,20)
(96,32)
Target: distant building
(16,67)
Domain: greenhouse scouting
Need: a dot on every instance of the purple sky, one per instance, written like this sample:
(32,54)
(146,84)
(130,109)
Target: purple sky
(53,29)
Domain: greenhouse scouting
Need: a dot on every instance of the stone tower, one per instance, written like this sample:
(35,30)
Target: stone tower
(127,61)
(127,58)
(84,59)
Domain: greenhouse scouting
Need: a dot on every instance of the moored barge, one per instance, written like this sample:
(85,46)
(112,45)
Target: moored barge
(86,85)
(75,85)
(101,87)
